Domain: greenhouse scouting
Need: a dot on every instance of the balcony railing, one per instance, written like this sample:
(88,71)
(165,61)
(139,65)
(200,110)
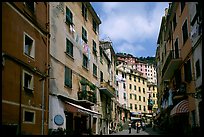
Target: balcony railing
(107,89)
(89,96)
(172,63)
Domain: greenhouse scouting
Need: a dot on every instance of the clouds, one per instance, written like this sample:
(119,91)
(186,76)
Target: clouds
(131,24)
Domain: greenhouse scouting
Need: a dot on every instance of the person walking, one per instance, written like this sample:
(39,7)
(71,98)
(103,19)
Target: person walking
(137,126)
(129,126)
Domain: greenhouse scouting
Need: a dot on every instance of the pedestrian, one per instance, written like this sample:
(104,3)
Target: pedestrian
(129,125)
(143,126)
(138,128)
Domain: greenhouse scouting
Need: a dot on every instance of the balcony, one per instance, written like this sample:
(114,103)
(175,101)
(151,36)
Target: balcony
(87,97)
(172,63)
(107,89)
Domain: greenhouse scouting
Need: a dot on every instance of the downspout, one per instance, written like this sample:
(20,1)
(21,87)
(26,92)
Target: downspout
(43,83)
(20,97)
(48,66)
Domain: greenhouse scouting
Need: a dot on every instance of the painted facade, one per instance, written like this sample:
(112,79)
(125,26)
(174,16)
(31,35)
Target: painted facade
(25,63)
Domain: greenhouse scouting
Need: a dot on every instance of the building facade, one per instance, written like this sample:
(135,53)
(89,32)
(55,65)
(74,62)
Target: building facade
(25,63)
(176,69)
(74,72)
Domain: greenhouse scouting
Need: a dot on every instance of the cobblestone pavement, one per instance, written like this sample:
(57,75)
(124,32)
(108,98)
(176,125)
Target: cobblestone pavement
(147,131)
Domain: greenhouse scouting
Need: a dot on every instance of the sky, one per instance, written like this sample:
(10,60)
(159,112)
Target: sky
(132,27)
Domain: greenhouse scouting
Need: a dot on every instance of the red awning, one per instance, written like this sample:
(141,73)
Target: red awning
(181,107)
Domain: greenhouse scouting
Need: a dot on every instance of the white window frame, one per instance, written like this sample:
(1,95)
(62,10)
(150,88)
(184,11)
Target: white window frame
(31,87)
(32,51)
(26,110)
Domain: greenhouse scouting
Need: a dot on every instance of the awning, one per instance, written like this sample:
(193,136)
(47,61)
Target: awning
(181,107)
(77,108)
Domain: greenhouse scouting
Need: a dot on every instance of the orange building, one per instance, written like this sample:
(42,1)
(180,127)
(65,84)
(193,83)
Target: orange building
(25,64)
(176,71)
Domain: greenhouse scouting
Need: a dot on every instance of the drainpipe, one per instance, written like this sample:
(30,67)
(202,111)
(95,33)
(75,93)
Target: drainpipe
(43,83)
(20,97)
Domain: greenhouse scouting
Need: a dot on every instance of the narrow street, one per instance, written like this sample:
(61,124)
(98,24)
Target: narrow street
(147,131)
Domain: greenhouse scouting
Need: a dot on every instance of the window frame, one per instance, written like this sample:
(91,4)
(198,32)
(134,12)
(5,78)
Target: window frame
(84,11)
(85,61)
(68,77)
(185,32)
(69,16)
(31,53)
(69,48)
(30,111)
(84,35)
(94,70)
(29,89)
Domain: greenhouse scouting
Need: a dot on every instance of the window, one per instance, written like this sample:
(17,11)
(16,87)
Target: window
(85,61)
(94,48)
(135,97)
(135,78)
(95,26)
(138,79)
(185,32)
(143,81)
(144,90)
(130,86)
(187,71)
(143,99)
(68,77)
(139,89)
(94,70)
(135,106)
(144,108)
(124,85)
(29,46)
(69,48)
(28,116)
(130,96)
(84,35)
(28,81)
(101,76)
(197,64)
(116,83)
(140,107)
(84,11)
(174,21)
(69,16)
(101,54)
(134,87)
(130,78)
(139,98)
(130,105)
(117,95)
(124,96)
(30,5)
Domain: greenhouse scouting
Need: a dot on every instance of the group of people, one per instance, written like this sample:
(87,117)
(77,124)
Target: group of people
(138,125)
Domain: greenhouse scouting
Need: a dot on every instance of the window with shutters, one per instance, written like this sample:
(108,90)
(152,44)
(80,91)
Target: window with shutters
(94,48)
(187,71)
(84,35)
(68,77)
(84,11)
(69,48)
(185,32)
(94,70)
(85,61)
(69,16)
(197,64)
